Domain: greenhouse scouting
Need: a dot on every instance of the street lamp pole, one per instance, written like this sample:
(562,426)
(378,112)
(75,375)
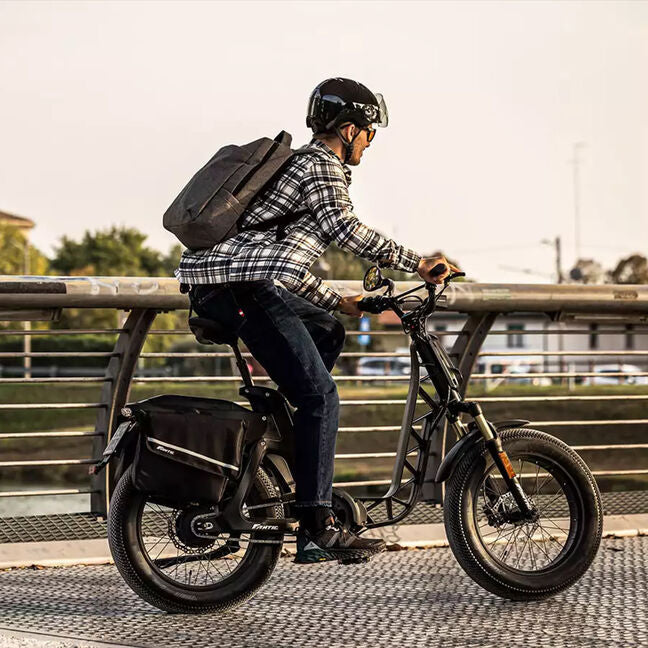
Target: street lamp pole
(27,323)
(575,161)
(556,244)
(559,272)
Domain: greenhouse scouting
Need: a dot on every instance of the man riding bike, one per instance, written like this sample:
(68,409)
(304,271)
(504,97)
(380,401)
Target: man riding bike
(290,330)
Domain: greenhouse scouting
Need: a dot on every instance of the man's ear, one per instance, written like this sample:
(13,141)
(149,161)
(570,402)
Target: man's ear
(349,131)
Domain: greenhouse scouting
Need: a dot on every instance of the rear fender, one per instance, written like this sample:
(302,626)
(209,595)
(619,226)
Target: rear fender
(279,468)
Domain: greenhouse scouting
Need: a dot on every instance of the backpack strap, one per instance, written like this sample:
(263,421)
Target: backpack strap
(186,288)
(281,222)
(284,138)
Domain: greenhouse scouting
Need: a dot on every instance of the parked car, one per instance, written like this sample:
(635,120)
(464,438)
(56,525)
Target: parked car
(507,367)
(604,379)
(539,381)
(385,366)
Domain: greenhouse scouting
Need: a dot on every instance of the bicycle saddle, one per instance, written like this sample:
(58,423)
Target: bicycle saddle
(210,332)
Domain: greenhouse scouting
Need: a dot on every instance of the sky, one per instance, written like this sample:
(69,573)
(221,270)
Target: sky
(108,108)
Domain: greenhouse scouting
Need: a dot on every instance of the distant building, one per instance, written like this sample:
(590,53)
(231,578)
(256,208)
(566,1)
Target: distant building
(525,343)
(24,224)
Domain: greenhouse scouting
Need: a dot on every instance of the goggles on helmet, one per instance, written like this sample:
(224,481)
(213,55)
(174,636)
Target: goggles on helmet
(340,110)
(375,114)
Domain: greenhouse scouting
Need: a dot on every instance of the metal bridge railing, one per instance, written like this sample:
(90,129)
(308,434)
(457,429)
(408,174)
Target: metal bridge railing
(476,307)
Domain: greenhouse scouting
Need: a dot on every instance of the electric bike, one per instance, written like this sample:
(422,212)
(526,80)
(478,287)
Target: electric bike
(522,511)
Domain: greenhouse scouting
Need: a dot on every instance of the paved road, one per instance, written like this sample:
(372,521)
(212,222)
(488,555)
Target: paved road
(404,598)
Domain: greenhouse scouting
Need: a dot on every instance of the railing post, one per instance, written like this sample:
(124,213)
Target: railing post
(114,395)
(465,350)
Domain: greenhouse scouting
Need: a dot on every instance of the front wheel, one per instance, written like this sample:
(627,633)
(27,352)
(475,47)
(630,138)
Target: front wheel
(515,558)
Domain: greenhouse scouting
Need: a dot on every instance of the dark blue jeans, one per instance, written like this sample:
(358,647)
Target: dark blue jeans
(297,343)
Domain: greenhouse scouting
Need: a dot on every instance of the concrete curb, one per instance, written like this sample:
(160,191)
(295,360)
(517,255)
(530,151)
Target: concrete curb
(63,553)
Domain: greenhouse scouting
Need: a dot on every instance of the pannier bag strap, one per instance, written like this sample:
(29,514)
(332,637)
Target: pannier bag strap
(171,446)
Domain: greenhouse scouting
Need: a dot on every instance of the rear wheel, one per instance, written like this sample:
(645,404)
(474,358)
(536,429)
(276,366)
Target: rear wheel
(511,557)
(168,566)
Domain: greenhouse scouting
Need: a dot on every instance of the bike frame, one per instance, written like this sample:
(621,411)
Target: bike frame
(275,450)
(407,476)
(446,404)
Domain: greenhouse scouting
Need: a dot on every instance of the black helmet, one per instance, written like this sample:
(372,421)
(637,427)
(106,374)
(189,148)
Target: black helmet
(336,101)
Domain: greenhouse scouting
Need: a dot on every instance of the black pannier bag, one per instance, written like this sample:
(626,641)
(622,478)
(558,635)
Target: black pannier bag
(188,447)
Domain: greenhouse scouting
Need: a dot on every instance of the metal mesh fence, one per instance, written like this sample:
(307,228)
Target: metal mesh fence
(86,526)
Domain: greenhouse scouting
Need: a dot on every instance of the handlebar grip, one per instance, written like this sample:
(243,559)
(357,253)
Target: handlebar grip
(370,305)
(438,269)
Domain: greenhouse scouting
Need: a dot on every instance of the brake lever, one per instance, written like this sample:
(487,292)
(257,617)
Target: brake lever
(454,275)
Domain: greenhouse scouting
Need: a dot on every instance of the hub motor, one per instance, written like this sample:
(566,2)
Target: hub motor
(182,532)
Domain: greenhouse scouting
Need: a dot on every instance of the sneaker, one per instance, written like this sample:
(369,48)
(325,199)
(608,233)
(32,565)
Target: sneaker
(335,543)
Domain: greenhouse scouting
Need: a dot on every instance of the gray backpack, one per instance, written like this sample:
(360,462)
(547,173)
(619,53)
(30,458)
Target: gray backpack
(208,209)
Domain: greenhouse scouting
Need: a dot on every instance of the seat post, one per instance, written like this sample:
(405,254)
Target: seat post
(242,366)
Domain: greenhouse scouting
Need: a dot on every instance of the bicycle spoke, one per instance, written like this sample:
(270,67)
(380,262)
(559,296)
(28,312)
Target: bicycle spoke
(552,539)
(191,561)
(540,546)
(527,546)
(513,536)
(546,506)
(517,564)
(558,528)
(161,550)
(531,543)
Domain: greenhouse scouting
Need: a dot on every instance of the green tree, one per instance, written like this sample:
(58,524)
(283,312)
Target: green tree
(12,262)
(587,271)
(12,253)
(117,251)
(171,260)
(631,270)
(336,263)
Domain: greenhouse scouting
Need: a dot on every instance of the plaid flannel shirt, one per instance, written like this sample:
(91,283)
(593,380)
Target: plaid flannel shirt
(316,183)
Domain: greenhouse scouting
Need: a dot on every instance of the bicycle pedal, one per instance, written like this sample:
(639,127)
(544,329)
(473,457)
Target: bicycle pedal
(360,560)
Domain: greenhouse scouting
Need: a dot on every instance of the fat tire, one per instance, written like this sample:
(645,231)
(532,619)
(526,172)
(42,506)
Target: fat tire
(142,579)
(467,546)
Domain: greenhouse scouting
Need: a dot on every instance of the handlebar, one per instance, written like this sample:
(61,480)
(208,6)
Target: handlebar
(439,268)
(380,303)
(375,305)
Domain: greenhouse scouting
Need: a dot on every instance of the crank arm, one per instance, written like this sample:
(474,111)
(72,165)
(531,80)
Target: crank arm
(201,525)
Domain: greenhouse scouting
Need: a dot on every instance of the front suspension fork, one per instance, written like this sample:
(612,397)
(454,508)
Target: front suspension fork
(497,452)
